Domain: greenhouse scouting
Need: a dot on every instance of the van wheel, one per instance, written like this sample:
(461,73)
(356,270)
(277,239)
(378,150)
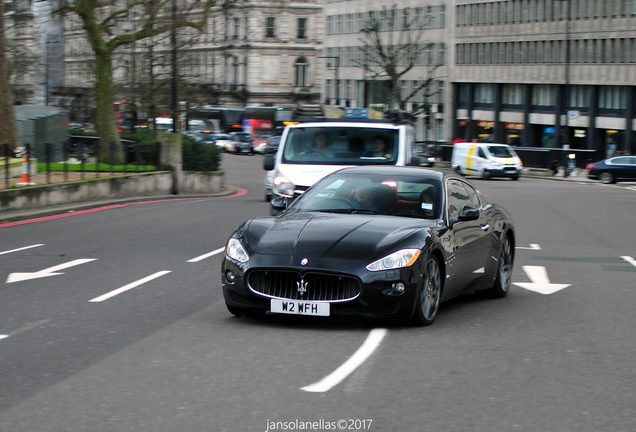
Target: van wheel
(485,175)
(459,170)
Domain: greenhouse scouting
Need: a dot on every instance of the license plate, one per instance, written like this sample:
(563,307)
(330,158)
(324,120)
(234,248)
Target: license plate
(296,307)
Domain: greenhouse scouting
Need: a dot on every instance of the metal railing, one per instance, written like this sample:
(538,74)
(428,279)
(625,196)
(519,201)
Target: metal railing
(84,156)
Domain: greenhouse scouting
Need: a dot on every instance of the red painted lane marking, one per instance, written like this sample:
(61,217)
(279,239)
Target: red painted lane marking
(240,192)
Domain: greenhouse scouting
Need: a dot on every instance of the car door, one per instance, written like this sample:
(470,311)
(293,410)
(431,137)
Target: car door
(625,167)
(470,238)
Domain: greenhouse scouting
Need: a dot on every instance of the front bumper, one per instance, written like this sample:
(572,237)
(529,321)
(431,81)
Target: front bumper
(377,297)
(504,172)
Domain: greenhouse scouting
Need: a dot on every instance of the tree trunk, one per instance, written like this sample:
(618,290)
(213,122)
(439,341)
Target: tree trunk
(8,133)
(106,121)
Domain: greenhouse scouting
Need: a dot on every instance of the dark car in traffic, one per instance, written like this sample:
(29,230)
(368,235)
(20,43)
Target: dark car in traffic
(614,169)
(373,240)
(242,142)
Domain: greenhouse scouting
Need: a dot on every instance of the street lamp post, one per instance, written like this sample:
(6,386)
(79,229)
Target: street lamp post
(336,68)
(566,88)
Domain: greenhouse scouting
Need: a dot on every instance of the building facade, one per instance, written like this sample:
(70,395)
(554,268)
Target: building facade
(533,73)
(251,52)
(347,81)
(546,73)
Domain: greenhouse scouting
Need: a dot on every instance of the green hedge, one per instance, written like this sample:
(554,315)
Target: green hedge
(197,155)
(200,156)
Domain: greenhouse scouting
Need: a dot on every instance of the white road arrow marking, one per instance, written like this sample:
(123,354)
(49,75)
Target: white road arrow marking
(20,249)
(533,246)
(630,260)
(51,271)
(540,281)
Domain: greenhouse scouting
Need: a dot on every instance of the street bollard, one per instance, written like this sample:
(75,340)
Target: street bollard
(25,179)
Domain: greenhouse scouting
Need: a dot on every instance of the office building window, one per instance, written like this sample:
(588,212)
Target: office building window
(512,94)
(302,28)
(543,95)
(237,26)
(270,27)
(579,96)
(612,97)
(484,93)
(301,72)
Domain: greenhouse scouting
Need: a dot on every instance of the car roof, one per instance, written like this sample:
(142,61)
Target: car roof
(346,124)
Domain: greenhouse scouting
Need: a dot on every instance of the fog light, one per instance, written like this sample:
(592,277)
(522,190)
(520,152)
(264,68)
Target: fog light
(396,289)
(230,276)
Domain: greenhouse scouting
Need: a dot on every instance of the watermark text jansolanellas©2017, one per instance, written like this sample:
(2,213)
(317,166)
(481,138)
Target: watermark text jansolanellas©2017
(319,425)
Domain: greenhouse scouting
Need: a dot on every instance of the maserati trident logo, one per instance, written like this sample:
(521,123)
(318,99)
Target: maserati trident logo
(302,287)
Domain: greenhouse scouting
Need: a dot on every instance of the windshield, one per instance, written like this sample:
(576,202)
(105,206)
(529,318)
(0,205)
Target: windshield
(341,146)
(501,151)
(407,196)
(243,137)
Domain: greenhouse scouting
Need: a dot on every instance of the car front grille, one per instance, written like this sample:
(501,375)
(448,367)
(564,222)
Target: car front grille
(310,286)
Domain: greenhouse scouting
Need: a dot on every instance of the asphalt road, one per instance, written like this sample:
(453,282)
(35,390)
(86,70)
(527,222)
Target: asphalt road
(105,325)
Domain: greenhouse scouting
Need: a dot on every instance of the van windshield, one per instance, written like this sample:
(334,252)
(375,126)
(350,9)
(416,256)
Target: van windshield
(501,151)
(341,146)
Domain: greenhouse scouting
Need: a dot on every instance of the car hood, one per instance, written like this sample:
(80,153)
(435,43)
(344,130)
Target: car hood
(334,235)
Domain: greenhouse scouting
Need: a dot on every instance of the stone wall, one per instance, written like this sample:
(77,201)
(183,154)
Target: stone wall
(111,188)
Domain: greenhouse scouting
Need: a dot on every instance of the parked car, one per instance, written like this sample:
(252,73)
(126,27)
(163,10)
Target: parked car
(612,170)
(241,143)
(223,141)
(206,136)
(380,241)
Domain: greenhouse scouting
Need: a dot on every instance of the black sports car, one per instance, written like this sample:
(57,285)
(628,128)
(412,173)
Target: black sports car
(379,241)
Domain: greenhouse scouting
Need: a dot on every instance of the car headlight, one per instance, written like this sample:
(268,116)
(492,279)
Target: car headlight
(236,251)
(399,259)
(284,186)
(494,163)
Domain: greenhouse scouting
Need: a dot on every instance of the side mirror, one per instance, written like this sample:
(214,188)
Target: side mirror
(268,162)
(468,213)
(279,204)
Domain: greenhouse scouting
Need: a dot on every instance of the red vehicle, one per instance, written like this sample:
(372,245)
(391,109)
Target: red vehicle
(260,131)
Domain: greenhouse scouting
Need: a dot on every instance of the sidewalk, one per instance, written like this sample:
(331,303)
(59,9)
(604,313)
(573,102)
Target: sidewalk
(578,175)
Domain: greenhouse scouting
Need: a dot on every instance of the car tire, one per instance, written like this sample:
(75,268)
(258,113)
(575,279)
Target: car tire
(485,174)
(242,313)
(459,170)
(428,296)
(504,271)
(607,177)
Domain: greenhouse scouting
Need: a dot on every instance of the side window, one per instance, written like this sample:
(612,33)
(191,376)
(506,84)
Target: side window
(473,197)
(481,153)
(457,197)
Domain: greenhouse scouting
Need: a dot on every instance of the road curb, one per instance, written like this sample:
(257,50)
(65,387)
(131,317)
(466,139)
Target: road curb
(16,216)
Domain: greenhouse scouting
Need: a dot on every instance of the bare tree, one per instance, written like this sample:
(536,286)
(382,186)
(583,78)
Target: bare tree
(8,133)
(103,23)
(393,46)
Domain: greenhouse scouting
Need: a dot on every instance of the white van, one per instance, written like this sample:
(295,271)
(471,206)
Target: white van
(310,151)
(486,160)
